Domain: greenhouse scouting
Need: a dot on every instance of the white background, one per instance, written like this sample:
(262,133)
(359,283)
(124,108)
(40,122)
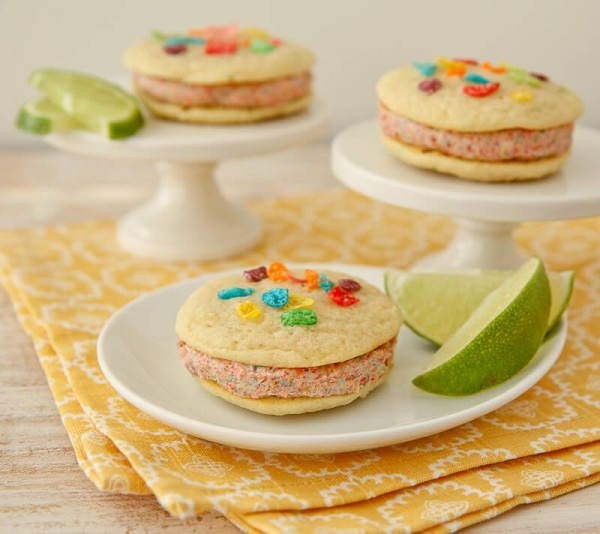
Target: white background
(355,41)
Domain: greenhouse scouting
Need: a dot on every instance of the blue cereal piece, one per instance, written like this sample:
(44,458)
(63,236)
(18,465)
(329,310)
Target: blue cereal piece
(176,40)
(276,298)
(325,283)
(198,41)
(475,78)
(426,69)
(234,292)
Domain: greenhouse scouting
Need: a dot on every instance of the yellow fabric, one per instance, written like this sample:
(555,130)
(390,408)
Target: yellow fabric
(66,281)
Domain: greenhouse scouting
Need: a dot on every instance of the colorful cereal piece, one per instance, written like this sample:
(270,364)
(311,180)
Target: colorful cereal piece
(448,63)
(276,297)
(257,274)
(341,297)
(277,271)
(255,33)
(159,36)
(430,85)
(296,302)
(349,285)
(248,310)
(497,69)
(426,69)
(276,41)
(541,77)
(466,61)
(312,279)
(298,318)
(475,78)
(176,49)
(261,46)
(176,40)
(234,292)
(215,46)
(521,95)
(292,278)
(524,77)
(325,283)
(481,90)
(198,41)
(458,71)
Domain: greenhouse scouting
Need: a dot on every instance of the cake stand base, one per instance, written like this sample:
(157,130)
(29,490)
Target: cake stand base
(188,218)
(477,244)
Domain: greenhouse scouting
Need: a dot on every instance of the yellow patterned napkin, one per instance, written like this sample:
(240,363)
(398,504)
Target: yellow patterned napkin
(66,281)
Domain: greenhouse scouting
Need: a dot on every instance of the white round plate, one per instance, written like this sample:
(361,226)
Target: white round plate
(137,353)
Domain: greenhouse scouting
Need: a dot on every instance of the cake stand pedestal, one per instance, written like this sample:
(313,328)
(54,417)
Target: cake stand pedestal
(189,218)
(485,213)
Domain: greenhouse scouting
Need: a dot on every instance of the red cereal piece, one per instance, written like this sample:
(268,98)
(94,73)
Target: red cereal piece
(312,279)
(257,274)
(349,285)
(341,297)
(481,90)
(217,46)
(175,49)
(430,85)
(467,61)
(541,77)
(278,272)
(292,278)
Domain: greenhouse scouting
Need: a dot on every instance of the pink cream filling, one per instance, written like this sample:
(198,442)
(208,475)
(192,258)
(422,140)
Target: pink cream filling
(255,381)
(503,145)
(235,95)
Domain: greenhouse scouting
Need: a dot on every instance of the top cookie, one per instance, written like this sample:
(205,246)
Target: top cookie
(213,326)
(468,96)
(218,55)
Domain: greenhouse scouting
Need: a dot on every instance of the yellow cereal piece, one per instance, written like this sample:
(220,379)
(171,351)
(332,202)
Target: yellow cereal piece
(448,63)
(521,95)
(255,33)
(248,310)
(296,302)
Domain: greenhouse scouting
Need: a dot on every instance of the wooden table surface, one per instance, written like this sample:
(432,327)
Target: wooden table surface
(42,489)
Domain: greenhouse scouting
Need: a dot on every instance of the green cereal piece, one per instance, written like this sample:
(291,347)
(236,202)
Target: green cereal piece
(298,317)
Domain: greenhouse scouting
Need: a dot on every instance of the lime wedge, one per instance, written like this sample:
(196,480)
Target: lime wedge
(497,340)
(42,117)
(436,304)
(100,106)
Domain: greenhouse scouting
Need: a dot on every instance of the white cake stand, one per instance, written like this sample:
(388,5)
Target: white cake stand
(485,214)
(188,218)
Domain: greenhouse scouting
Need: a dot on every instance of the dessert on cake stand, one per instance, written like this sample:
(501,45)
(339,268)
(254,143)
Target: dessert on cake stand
(485,213)
(189,218)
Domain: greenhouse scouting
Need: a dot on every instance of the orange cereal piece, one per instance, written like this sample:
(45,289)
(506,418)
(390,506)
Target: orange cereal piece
(277,271)
(312,279)
(488,66)
(458,71)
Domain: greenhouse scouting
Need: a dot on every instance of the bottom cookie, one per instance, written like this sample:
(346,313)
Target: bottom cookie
(287,406)
(481,171)
(220,115)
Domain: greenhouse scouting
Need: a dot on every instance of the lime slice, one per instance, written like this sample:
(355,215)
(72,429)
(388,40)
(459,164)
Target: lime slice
(497,340)
(436,304)
(100,106)
(42,117)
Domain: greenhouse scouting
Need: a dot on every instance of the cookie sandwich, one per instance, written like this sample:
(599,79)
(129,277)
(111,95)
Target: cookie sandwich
(221,75)
(477,120)
(279,343)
